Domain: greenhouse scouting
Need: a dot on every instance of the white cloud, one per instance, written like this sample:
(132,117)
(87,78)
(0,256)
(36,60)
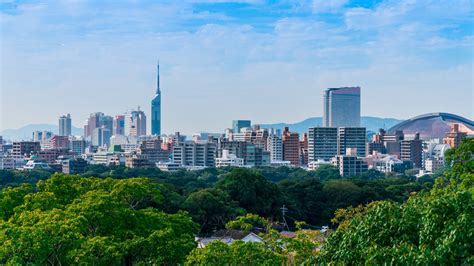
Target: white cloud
(216,68)
(328,6)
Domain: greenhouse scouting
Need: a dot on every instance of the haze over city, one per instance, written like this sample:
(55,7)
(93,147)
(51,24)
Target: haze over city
(224,60)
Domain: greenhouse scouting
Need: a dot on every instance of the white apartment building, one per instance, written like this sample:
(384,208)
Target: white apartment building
(275,147)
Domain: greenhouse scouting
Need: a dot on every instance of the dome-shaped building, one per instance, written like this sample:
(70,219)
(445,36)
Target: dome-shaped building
(433,125)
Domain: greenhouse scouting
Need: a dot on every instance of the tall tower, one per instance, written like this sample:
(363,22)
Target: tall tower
(156,106)
(65,125)
(341,107)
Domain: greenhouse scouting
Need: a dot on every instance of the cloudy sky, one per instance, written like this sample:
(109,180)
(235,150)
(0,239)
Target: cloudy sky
(268,61)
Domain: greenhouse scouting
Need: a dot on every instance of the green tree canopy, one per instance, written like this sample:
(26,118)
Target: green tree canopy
(431,228)
(212,208)
(71,220)
(252,191)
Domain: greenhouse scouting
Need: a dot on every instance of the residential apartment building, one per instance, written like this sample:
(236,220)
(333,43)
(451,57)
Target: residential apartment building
(291,147)
(412,150)
(22,149)
(350,164)
(454,137)
(190,153)
(275,147)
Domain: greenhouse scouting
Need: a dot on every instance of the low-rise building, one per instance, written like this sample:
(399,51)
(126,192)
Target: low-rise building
(350,164)
(108,158)
(73,165)
(433,164)
(138,162)
(35,164)
(169,166)
(7,163)
(313,165)
(228,159)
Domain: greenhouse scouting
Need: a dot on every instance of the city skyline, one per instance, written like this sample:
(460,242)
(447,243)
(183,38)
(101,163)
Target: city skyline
(214,58)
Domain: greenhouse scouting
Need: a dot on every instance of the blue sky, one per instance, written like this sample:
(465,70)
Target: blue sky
(268,61)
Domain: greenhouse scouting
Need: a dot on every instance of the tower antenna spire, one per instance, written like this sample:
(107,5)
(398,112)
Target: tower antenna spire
(158,77)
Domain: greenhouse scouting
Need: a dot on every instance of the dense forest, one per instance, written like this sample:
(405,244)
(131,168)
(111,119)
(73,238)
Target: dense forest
(134,216)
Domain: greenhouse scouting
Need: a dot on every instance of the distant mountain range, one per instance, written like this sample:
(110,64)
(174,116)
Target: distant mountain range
(25,133)
(371,123)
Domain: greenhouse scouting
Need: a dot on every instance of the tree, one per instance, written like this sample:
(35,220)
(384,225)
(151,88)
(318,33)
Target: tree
(211,208)
(327,172)
(305,200)
(431,228)
(11,198)
(252,191)
(71,220)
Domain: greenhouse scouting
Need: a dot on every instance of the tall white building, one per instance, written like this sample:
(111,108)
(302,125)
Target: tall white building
(135,123)
(65,125)
(341,107)
(275,147)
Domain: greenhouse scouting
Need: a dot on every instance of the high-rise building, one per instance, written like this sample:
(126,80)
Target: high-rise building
(156,107)
(322,143)
(412,150)
(101,136)
(119,125)
(454,137)
(341,107)
(97,120)
(65,125)
(304,149)
(275,147)
(352,137)
(135,123)
(237,125)
(291,147)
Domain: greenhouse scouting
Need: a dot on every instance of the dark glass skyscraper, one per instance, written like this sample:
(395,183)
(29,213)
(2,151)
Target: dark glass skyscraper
(156,107)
